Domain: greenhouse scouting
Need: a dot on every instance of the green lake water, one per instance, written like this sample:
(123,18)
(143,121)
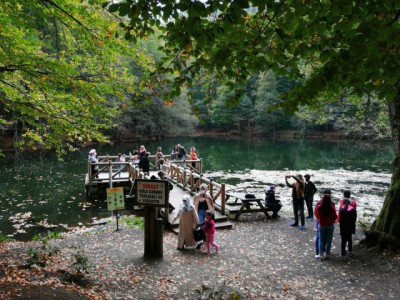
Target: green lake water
(40,192)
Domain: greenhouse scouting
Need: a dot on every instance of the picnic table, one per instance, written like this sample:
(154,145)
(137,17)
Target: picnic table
(247,203)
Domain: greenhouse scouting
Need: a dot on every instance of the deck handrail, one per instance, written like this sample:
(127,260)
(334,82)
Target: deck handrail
(187,177)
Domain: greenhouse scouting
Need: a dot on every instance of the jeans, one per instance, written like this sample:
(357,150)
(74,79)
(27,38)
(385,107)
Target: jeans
(325,238)
(317,239)
(298,205)
(202,216)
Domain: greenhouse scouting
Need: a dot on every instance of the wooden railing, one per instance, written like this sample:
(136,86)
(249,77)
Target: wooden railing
(190,181)
(184,174)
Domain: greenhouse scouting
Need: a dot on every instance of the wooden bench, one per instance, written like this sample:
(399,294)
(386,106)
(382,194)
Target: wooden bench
(247,204)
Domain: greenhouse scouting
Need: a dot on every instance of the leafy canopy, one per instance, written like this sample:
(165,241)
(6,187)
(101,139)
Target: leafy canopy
(64,73)
(352,44)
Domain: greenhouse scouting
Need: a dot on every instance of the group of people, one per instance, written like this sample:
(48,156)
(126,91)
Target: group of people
(325,212)
(141,158)
(194,215)
(303,192)
(179,153)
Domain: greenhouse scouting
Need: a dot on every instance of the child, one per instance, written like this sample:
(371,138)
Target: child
(348,217)
(209,230)
(347,196)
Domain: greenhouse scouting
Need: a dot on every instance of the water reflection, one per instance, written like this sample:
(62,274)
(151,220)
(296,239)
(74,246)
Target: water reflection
(40,192)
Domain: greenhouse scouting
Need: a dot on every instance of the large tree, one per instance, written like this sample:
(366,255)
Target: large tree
(64,73)
(342,44)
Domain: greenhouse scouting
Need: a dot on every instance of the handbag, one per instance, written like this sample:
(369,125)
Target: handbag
(199,234)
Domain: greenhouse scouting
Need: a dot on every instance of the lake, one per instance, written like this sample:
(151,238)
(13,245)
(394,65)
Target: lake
(40,192)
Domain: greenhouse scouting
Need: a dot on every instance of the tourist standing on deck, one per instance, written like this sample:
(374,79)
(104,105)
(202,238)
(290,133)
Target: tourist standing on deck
(193,156)
(144,163)
(188,221)
(93,163)
(309,192)
(120,158)
(142,152)
(174,153)
(158,158)
(325,212)
(298,199)
(181,154)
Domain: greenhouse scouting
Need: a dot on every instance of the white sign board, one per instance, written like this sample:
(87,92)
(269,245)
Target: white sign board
(151,192)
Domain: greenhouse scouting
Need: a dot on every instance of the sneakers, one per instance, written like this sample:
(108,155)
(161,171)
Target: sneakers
(294,225)
(302,227)
(317,256)
(322,256)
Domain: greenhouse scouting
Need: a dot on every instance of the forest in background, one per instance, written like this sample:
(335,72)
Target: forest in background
(205,105)
(52,95)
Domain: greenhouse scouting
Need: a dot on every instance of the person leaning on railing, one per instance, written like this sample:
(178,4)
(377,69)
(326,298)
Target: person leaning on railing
(94,163)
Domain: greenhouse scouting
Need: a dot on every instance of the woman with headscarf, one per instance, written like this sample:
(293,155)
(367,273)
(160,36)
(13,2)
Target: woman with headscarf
(188,221)
(142,152)
(203,202)
(93,163)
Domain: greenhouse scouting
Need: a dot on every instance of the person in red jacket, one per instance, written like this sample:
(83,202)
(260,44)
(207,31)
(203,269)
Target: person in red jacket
(325,213)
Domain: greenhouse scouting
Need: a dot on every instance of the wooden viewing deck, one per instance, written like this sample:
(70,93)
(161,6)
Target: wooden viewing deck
(186,180)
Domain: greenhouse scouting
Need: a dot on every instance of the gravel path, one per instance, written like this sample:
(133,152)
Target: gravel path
(259,259)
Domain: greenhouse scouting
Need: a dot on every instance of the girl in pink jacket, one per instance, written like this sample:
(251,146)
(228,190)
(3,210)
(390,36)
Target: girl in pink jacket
(209,230)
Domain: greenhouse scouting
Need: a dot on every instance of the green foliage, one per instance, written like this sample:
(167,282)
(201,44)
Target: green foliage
(39,256)
(4,238)
(81,264)
(54,235)
(133,222)
(64,73)
(326,46)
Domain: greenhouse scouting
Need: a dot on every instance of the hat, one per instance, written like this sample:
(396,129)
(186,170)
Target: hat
(272,187)
(93,151)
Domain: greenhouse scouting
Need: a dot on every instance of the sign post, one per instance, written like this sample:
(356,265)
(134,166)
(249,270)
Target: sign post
(115,200)
(152,194)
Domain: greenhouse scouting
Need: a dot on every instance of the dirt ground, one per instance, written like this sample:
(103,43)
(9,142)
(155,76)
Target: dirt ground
(258,259)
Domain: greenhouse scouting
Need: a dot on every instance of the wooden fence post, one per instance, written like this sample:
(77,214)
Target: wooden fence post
(223,199)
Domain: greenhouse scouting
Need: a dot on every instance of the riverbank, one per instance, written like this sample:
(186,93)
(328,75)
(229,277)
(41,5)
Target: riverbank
(258,259)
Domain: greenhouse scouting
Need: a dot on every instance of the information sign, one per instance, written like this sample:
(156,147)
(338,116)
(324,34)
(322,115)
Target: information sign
(151,192)
(115,198)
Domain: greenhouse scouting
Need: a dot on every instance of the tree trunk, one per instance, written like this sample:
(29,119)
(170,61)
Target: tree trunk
(385,231)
